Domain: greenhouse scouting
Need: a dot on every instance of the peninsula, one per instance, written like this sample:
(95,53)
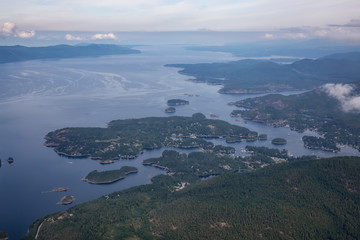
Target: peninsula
(65,200)
(129,138)
(259,76)
(22,53)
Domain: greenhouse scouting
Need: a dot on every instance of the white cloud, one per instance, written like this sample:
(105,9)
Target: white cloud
(269,36)
(101,36)
(353,104)
(70,37)
(25,34)
(9,29)
(187,15)
(342,92)
(338,91)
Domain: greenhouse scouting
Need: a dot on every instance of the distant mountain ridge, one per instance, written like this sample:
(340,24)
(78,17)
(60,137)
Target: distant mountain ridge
(21,53)
(255,76)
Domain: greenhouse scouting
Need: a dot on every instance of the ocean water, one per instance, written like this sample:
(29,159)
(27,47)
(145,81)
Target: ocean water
(37,97)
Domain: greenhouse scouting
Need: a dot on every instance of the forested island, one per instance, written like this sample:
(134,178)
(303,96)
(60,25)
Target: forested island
(255,76)
(128,138)
(177,102)
(110,176)
(22,53)
(230,206)
(315,110)
(279,141)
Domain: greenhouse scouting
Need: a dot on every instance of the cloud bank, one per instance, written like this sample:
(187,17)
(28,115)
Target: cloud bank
(343,93)
(10,29)
(181,15)
(102,36)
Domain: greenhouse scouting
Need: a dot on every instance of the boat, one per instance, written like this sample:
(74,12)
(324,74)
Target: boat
(10,160)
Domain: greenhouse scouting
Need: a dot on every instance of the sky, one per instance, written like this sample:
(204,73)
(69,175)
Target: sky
(102,19)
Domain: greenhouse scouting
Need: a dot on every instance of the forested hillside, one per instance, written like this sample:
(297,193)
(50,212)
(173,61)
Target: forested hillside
(334,115)
(255,76)
(22,53)
(317,199)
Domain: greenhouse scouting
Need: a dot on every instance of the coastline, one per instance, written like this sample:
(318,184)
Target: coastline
(110,181)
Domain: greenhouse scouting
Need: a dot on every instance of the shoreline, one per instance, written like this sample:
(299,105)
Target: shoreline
(110,181)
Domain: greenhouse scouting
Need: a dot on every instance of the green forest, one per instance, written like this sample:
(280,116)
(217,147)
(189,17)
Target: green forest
(177,102)
(22,53)
(255,76)
(109,176)
(316,199)
(128,138)
(306,111)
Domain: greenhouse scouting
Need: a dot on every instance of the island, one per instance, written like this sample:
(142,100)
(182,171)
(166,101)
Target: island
(129,138)
(337,125)
(262,137)
(278,141)
(21,53)
(111,176)
(177,102)
(59,189)
(170,110)
(65,200)
(260,76)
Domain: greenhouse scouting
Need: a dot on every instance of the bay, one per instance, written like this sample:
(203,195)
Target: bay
(37,97)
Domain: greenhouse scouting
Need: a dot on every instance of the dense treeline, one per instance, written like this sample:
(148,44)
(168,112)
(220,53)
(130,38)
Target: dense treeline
(21,53)
(128,138)
(320,143)
(304,111)
(109,176)
(254,76)
(300,200)
(279,141)
(177,102)
(196,164)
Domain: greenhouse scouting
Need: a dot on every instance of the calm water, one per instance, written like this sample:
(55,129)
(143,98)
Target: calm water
(40,96)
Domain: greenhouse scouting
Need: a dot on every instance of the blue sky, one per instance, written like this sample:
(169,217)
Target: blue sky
(336,19)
